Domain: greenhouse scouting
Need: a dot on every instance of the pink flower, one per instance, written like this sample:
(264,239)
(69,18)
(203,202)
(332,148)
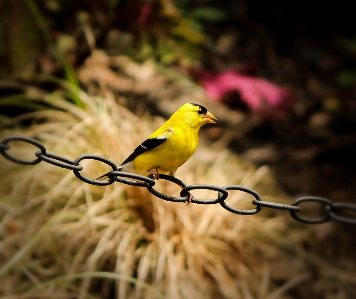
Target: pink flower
(261,96)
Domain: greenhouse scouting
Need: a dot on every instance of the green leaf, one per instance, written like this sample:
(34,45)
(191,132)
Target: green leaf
(207,14)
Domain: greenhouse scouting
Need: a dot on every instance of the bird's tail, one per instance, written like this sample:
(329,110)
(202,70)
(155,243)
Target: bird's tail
(106,176)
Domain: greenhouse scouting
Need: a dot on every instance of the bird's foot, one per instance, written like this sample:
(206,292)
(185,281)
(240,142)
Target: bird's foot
(180,186)
(190,199)
(155,174)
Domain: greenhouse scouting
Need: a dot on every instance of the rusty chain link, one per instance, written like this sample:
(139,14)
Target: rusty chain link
(330,211)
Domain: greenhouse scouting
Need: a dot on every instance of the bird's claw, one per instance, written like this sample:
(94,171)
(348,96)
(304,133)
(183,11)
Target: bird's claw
(190,199)
(155,174)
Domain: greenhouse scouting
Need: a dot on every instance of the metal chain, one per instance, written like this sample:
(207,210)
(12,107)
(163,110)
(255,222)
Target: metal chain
(329,209)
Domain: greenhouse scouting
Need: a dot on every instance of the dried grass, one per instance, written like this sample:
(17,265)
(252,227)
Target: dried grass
(62,238)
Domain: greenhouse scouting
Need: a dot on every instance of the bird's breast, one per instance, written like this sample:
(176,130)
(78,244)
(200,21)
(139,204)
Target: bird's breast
(171,154)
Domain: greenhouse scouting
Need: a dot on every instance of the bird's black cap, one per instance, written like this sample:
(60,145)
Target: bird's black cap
(202,109)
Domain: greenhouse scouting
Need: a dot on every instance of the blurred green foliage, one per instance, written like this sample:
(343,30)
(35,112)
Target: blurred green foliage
(45,36)
(175,33)
(46,40)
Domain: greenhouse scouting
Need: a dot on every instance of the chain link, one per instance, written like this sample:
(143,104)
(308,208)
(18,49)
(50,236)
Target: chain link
(329,209)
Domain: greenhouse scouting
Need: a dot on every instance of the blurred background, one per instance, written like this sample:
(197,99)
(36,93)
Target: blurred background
(99,76)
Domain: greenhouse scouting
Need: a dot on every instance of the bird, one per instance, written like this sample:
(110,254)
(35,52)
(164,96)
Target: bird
(170,146)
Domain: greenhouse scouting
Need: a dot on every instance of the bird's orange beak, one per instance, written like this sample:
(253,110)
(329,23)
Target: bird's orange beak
(209,118)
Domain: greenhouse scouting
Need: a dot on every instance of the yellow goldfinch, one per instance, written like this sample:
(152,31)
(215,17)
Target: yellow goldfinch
(171,145)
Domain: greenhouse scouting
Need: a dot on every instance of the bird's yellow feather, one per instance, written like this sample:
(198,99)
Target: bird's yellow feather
(171,145)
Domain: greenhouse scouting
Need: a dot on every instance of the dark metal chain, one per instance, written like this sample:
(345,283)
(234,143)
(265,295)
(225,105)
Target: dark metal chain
(330,210)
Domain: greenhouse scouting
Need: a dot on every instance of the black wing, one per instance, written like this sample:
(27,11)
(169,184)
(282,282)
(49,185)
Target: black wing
(145,146)
(148,144)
